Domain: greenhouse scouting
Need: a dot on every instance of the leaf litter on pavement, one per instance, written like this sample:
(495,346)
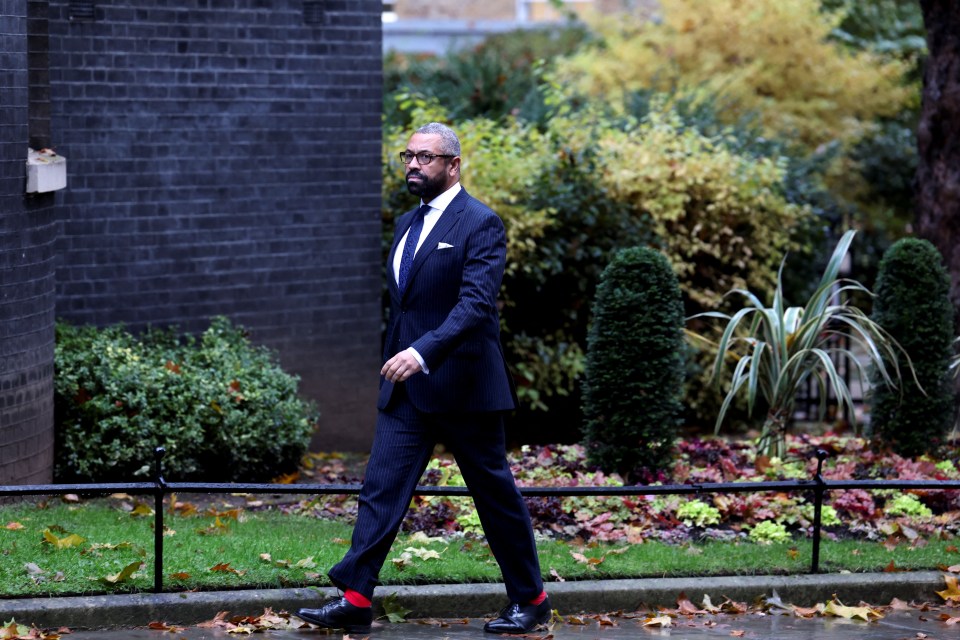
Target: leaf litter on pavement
(720,616)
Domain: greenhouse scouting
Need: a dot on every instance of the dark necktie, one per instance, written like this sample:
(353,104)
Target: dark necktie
(410,247)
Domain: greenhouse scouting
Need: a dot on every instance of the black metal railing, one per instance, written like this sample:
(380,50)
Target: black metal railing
(159,487)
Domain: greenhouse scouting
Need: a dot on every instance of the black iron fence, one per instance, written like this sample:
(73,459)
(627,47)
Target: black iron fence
(159,487)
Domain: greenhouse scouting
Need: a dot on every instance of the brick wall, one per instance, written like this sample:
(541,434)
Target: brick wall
(224,160)
(27,234)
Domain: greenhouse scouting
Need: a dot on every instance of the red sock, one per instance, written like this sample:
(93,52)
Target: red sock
(540,598)
(357,599)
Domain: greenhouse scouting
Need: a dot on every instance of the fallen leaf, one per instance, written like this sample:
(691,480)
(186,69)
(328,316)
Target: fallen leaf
(180,575)
(556,576)
(124,574)
(808,612)
(949,620)
(218,528)
(14,526)
(394,611)
(65,542)
(835,608)
(658,621)
(708,606)
(952,592)
(686,607)
(224,567)
(219,620)
(289,478)
(141,510)
(605,621)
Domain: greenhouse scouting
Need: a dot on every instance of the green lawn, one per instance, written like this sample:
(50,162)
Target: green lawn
(301,549)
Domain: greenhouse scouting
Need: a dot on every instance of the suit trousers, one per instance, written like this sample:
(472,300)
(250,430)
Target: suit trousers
(402,448)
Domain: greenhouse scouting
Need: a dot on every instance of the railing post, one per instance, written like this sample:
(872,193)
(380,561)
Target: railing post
(160,483)
(818,492)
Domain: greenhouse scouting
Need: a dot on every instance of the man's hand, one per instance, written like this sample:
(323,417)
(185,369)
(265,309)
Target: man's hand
(400,367)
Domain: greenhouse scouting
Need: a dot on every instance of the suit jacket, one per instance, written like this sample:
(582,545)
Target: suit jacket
(448,313)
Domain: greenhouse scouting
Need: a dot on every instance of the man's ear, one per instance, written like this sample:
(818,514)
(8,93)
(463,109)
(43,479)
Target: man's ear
(454,169)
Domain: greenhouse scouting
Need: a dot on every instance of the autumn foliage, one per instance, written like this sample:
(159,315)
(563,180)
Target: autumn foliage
(775,59)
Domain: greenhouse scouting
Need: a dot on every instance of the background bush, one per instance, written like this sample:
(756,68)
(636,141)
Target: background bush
(773,59)
(221,406)
(578,174)
(634,374)
(912,304)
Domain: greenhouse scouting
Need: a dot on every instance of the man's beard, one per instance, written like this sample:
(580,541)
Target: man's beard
(426,188)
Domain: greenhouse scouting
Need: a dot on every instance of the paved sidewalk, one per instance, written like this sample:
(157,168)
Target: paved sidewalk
(125,613)
(896,626)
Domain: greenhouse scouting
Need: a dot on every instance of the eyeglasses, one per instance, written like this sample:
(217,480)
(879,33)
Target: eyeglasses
(423,157)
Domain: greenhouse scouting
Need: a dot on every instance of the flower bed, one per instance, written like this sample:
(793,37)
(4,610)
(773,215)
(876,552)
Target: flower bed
(764,517)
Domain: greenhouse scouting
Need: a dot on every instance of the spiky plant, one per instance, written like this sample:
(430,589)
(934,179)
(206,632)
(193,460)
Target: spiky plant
(777,349)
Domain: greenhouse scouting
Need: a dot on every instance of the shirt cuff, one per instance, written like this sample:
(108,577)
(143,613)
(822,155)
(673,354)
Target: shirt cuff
(423,365)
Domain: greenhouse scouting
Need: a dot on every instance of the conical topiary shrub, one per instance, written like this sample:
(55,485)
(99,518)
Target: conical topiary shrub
(635,364)
(912,304)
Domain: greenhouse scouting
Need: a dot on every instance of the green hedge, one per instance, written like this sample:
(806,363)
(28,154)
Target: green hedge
(635,365)
(912,304)
(221,406)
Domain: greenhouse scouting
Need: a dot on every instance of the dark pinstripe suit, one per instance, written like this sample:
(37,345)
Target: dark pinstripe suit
(448,313)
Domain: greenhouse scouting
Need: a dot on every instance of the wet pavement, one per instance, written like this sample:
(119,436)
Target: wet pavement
(896,625)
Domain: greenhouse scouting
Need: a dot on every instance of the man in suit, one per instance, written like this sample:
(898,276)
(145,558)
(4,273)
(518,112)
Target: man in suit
(444,379)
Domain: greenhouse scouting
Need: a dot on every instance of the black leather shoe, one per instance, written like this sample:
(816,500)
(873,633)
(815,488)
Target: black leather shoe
(520,618)
(337,613)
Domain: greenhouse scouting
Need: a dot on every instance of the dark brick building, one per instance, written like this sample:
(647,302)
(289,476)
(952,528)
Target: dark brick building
(223,159)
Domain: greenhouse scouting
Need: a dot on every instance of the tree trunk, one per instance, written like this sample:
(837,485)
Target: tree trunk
(938,139)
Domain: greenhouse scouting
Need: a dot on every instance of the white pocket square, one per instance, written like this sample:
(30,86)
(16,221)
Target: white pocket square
(444,245)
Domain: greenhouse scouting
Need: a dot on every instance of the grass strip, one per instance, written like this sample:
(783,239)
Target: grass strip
(39,556)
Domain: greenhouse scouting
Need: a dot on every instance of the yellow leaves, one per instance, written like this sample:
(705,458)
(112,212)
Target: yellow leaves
(13,526)
(70,540)
(405,559)
(267,621)
(141,510)
(124,574)
(662,621)
(288,478)
(12,631)
(218,528)
(952,593)
(864,612)
(721,216)
(774,59)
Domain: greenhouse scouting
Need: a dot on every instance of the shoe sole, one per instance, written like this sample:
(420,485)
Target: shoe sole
(348,629)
